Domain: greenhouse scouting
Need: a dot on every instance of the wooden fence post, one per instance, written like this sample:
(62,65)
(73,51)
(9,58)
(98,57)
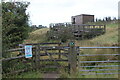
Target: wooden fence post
(72,58)
(33,58)
(37,57)
(59,56)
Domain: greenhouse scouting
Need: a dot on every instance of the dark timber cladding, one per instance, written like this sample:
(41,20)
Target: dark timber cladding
(82,19)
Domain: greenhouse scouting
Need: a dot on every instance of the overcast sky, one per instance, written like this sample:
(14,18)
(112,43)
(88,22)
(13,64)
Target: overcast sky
(44,12)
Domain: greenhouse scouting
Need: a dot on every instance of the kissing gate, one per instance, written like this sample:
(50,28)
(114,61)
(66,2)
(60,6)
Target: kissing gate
(55,55)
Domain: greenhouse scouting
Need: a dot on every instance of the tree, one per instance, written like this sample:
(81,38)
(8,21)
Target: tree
(109,18)
(96,20)
(103,20)
(99,20)
(106,18)
(114,18)
(14,23)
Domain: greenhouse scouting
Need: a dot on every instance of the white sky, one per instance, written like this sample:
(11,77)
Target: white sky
(44,12)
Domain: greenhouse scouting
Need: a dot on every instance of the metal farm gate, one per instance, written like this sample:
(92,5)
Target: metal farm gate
(99,64)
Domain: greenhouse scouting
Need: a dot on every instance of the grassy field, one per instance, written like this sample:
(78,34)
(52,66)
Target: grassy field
(37,36)
(110,38)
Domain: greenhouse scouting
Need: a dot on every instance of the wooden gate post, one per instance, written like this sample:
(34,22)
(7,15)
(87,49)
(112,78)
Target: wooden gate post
(72,58)
(33,58)
(37,57)
(59,56)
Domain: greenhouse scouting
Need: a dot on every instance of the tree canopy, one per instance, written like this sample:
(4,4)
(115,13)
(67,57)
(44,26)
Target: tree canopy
(14,23)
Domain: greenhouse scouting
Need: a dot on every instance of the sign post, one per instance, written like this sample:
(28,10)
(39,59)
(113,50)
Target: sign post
(28,51)
(72,58)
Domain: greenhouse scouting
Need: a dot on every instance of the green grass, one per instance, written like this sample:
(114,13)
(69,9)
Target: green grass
(108,39)
(30,74)
(37,36)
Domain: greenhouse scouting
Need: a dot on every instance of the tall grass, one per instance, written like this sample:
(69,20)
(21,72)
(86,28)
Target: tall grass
(37,36)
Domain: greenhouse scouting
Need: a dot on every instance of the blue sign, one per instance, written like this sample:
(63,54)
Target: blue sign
(28,51)
(72,43)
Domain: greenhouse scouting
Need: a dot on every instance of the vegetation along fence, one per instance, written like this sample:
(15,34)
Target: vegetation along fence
(50,55)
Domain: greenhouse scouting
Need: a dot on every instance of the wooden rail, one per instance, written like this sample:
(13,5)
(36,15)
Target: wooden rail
(76,31)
